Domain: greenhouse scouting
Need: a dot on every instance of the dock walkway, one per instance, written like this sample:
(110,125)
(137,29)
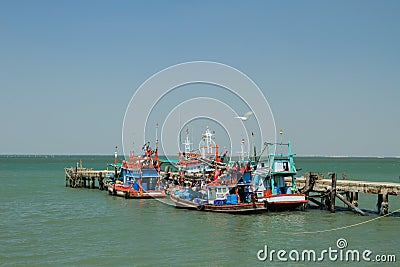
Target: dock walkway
(86,177)
(346,190)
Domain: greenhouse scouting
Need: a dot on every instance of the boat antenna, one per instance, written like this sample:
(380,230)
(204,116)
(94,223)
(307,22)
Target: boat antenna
(156,135)
(254,147)
(180,138)
(187,141)
(262,152)
(216,154)
(133,145)
(242,150)
(156,140)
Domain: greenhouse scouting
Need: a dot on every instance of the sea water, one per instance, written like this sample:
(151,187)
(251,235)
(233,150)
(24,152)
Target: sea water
(44,223)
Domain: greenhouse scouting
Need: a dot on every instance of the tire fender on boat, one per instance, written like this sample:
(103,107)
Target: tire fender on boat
(266,204)
(200,207)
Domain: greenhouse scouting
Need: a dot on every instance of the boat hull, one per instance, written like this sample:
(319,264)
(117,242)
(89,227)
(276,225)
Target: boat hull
(129,192)
(241,208)
(184,204)
(244,208)
(285,202)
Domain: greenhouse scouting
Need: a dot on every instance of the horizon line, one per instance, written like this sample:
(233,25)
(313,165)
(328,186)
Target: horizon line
(112,155)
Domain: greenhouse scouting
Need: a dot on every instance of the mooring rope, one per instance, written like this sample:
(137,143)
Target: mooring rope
(343,227)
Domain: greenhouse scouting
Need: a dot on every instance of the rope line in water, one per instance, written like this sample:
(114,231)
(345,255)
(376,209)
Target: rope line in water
(343,227)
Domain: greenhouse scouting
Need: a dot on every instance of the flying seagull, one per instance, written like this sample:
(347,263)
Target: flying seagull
(246,116)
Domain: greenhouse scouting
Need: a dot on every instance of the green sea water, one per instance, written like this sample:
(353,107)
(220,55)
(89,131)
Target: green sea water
(44,223)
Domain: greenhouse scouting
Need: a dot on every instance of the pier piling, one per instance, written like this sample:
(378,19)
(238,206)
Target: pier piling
(350,205)
(85,178)
(383,204)
(354,198)
(333,191)
(101,181)
(326,189)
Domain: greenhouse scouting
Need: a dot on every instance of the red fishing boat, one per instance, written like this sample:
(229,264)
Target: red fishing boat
(140,176)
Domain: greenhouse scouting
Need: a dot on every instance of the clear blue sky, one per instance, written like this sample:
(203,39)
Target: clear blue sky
(329,69)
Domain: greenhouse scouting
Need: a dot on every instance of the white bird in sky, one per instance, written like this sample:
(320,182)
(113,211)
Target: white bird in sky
(246,116)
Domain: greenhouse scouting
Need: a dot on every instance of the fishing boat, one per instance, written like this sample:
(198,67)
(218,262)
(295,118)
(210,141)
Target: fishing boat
(139,177)
(229,192)
(189,163)
(187,198)
(224,194)
(269,179)
(249,188)
(196,165)
(200,162)
(217,197)
(217,189)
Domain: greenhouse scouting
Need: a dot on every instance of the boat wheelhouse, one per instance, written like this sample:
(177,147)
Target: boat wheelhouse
(139,177)
(269,180)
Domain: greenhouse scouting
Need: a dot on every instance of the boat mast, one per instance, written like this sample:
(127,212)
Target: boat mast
(254,147)
(187,142)
(157,133)
(242,150)
(207,145)
(209,141)
(116,155)
(157,141)
(115,162)
(180,138)
(157,160)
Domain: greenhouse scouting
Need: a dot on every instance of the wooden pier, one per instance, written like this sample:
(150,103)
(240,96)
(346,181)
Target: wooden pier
(314,186)
(324,192)
(79,177)
(320,191)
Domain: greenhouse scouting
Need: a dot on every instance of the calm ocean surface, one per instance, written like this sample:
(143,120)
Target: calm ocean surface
(44,223)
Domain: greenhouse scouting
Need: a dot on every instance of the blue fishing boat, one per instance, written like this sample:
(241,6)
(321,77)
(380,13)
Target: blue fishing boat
(231,191)
(221,195)
(248,188)
(139,177)
(269,179)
